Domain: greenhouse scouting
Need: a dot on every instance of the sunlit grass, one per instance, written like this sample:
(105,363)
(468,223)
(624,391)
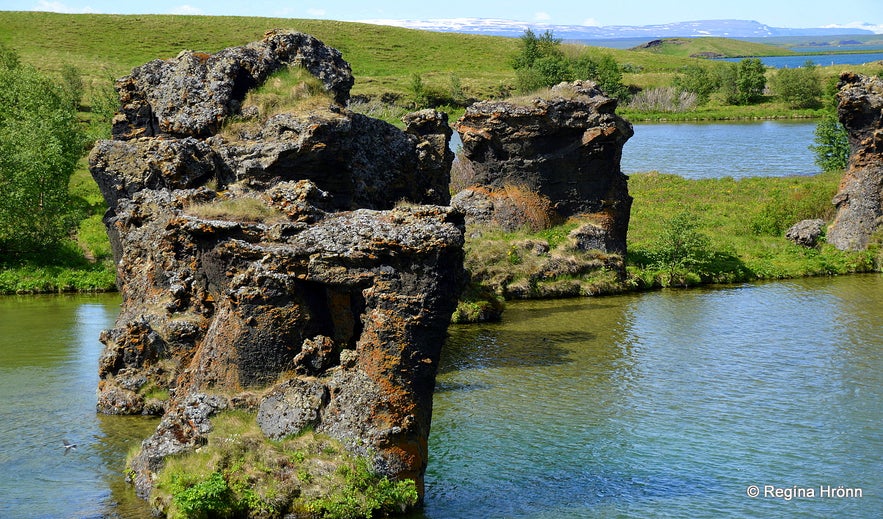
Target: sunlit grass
(241,472)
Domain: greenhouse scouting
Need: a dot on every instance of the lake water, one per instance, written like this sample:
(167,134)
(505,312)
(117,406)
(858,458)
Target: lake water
(818,59)
(663,404)
(721,149)
(48,376)
(666,404)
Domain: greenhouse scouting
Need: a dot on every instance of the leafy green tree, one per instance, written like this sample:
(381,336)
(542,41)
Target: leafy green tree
(609,78)
(751,80)
(540,62)
(72,84)
(534,47)
(104,102)
(831,146)
(696,79)
(418,91)
(40,143)
(798,87)
(743,83)
(584,67)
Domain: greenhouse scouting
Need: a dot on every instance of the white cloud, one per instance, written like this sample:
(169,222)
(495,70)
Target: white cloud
(316,12)
(542,16)
(876,28)
(185,9)
(58,7)
(591,22)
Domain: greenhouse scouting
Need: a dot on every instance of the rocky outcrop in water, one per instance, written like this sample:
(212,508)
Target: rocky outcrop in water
(566,148)
(860,198)
(270,269)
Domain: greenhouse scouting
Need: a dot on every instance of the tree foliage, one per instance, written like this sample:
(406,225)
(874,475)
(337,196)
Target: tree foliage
(40,143)
(681,249)
(743,83)
(696,79)
(541,63)
(798,87)
(831,146)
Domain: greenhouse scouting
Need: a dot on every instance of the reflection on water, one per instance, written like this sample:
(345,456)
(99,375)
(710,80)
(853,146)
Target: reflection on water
(48,376)
(664,404)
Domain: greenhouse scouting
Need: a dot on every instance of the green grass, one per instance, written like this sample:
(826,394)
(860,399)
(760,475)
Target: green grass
(385,60)
(726,47)
(741,224)
(240,472)
(382,58)
(63,269)
(745,222)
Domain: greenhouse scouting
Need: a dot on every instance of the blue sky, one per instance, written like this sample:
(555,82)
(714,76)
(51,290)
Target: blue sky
(803,13)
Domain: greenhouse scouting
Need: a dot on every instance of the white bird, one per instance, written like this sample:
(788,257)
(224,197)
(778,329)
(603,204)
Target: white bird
(68,446)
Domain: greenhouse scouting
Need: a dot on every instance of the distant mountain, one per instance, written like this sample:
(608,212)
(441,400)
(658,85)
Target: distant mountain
(721,28)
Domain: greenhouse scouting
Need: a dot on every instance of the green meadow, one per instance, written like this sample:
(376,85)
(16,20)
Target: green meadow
(742,220)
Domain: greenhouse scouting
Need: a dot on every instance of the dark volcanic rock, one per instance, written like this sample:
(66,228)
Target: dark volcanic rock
(191,94)
(860,198)
(364,162)
(258,271)
(566,149)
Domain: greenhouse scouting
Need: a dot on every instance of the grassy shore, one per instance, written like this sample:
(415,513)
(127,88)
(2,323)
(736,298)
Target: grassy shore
(682,232)
(385,61)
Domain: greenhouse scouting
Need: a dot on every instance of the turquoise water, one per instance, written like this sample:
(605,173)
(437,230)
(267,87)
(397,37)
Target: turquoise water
(668,404)
(664,404)
(48,376)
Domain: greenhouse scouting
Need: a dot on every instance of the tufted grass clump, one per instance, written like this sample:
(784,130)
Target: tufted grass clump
(242,208)
(241,473)
(289,90)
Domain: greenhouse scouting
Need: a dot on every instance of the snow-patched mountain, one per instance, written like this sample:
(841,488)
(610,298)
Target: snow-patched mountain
(722,28)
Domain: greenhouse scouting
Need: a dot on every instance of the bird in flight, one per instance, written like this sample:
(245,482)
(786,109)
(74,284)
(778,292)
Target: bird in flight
(68,446)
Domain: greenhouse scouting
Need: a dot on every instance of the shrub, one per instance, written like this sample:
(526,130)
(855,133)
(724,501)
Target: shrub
(681,251)
(72,84)
(207,498)
(418,91)
(365,494)
(696,79)
(831,146)
(742,83)
(104,103)
(664,99)
(798,87)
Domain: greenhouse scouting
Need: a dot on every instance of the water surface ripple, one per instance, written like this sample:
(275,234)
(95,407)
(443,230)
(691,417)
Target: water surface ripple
(667,404)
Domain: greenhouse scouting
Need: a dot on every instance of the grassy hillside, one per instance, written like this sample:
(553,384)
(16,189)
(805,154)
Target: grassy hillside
(725,47)
(383,58)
